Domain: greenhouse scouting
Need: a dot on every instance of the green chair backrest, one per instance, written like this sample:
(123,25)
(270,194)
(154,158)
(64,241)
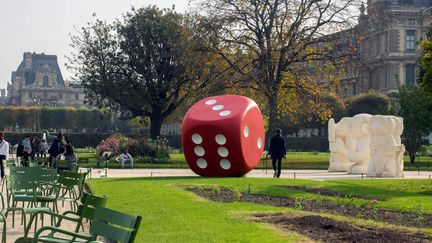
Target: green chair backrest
(63,164)
(22,170)
(89,205)
(71,179)
(10,163)
(115,225)
(17,182)
(48,175)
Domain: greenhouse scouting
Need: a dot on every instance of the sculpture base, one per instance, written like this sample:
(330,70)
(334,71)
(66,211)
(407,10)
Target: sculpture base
(358,169)
(339,167)
(387,175)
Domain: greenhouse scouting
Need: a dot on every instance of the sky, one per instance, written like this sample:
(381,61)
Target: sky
(44,26)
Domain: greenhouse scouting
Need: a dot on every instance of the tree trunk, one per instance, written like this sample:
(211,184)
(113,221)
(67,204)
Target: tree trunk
(155,122)
(412,157)
(273,116)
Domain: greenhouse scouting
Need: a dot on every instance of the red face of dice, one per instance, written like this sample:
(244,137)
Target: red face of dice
(223,136)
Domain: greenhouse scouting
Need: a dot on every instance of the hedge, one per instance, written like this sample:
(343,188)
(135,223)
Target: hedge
(320,144)
(26,117)
(80,140)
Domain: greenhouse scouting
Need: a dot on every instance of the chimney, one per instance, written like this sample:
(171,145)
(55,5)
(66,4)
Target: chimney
(27,60)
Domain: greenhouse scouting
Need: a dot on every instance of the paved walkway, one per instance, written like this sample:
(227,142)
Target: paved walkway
(14,233)
(297,174)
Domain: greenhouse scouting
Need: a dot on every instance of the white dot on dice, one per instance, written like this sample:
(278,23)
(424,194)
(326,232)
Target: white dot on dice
(224,113)
(223,152)
(202,163)
(246,132)
(210,102)
(217,107)
(196,138)
(199,151)
(259,143)
(220,139)
(225,164)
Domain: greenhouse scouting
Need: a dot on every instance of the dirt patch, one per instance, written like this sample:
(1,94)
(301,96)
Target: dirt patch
(216,194)
(327,192)
(330,230)
(368,211)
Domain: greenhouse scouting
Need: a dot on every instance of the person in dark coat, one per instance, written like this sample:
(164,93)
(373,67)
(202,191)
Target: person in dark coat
(57,147)
(277,151)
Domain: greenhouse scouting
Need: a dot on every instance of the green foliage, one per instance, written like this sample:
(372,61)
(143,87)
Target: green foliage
(147,63)
(425,78)
(416,109)
(58,118)
(373,102)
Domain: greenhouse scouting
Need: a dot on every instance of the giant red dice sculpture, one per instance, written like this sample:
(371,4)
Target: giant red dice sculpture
(223,136)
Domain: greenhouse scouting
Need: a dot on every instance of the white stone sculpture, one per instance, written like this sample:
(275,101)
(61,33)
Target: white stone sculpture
(359,155)
(386,148)
(339,142)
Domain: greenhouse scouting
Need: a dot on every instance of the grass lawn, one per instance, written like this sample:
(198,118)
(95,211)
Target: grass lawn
(171,214)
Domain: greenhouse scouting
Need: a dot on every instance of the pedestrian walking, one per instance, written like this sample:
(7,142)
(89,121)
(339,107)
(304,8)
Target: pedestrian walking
(277,151)
(4,153)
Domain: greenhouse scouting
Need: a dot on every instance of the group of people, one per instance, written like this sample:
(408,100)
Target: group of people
(31,147)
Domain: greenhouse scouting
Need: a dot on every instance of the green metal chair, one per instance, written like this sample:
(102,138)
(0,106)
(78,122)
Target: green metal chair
(71,186)
(2,219)
(23,188)
(86,211)
(47,182)
(31,185)
(107,223)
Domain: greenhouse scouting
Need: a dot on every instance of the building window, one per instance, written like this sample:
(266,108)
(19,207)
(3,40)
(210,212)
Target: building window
(411,21)
(410,40)
(410,74)
(45,95)
(45,81)
(30,95)
(77,96)
(60,96)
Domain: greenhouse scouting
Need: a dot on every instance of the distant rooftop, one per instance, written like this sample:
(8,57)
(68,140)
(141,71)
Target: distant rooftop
(37,61)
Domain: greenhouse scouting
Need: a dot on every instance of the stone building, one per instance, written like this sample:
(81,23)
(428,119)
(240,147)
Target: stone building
(388,34)
(3,97)
(39,79)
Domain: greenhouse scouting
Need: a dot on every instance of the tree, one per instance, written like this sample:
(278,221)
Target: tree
(416,109)
(146,64)
(373,102)
(268,42)
(426,64)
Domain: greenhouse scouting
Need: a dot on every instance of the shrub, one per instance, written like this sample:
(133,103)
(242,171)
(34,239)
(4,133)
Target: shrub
(373,102)
(148,149)
(320,144)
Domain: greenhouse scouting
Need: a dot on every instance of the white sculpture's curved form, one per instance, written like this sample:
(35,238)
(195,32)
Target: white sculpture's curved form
(359,155)
(367,144)
(339,142)
(386,148)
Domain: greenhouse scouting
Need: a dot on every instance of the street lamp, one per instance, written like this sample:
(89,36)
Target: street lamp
(36,102)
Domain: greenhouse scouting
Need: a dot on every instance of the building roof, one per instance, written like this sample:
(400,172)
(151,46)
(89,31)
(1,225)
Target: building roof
(423,3)
(38,61)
